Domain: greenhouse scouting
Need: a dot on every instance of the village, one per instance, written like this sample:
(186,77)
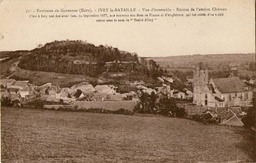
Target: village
(22,91)
(223,99)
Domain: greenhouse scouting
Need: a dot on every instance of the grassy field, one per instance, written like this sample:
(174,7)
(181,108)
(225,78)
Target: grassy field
(40,77)
(53,136)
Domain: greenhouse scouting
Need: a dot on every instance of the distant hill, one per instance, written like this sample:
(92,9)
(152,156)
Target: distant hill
(78,57)
(213,60)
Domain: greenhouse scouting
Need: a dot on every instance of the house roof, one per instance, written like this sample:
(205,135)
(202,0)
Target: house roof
(5,81)
(210,86)
(229,117)
(229,85)
(84,87)
(104,89)
(228,113)
(21,83)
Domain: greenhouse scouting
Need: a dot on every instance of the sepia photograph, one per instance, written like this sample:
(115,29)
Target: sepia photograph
(128,81)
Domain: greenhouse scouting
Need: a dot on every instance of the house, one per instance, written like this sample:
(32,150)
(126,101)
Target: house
(168,79)
(64,93)
(18,85)
(84,87)
(160,79)
(179,94)
(146,89)
(129,96)
(21,90)
(165,90)
(251,81)
(14,93)
(6,83)
(25,92)
(22,84)
(5,93)
(43,89)
(188,93)
(52,91)
(104,89)
(219,92)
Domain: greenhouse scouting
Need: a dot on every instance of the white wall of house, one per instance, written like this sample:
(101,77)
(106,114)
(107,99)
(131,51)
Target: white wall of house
(23,94)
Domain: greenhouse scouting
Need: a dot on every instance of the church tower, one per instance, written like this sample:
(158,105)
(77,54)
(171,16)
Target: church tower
(200,82)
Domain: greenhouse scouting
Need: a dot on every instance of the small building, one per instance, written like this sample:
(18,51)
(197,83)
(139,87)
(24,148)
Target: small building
(179,95)
(64,93)
(84,87)
(251,81)
(165,90)
(104,89)
(188,93)
(168,79)
(160,79)
(24,93)
(6,83)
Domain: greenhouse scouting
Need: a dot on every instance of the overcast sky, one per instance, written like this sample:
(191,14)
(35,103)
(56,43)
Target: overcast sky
(232,33)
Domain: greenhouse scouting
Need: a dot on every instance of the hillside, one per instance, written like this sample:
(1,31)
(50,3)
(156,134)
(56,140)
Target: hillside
(69,58)
(77,57)
(214,61)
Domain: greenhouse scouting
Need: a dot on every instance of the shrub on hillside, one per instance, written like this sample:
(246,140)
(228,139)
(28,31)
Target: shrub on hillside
(205,118)
(250,119)
(5,101)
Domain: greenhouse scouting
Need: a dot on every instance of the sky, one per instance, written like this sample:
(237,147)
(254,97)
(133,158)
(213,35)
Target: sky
(232,33)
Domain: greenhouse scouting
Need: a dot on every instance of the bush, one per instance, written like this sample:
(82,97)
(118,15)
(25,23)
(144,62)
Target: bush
(39,103)
(205,118)
(180,112)
(250,119)
(6,101)
(123,111)
(165,105)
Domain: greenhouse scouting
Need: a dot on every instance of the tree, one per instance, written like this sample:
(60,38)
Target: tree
(152,102)
(166,106)
(40,45)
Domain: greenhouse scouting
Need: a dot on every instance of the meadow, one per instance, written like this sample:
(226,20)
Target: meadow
(34,135)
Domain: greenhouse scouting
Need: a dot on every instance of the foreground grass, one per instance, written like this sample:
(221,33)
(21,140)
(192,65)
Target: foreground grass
(55,136)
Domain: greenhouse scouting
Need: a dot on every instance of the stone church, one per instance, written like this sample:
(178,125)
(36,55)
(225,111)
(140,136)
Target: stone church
(219,92)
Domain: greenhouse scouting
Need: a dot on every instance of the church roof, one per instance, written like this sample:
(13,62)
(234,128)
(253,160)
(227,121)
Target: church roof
(229,85)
